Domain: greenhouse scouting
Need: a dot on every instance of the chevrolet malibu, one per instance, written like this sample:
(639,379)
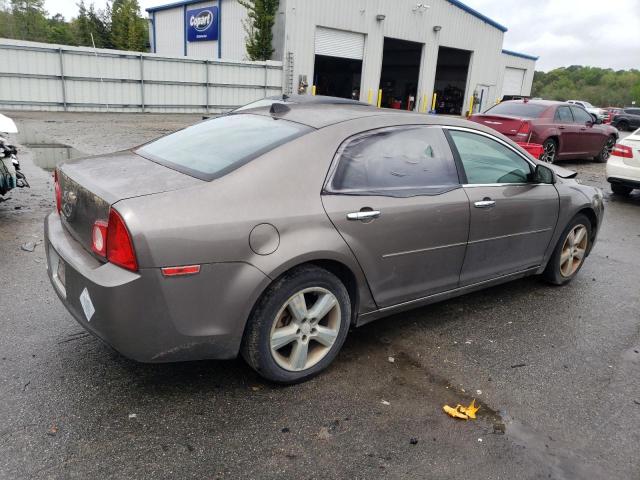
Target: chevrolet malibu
(271,231)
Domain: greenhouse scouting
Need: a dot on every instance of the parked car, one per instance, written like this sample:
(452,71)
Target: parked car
(626,119)
(564,130)
(597,112)
(270,232)
(609,113)
(623,167)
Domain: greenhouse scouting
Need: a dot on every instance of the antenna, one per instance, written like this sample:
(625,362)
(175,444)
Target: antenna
(279,109)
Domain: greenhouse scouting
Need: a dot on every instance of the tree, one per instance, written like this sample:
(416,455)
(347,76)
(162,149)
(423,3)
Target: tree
(60,31)
(29,20)
(259,27)
(128,28)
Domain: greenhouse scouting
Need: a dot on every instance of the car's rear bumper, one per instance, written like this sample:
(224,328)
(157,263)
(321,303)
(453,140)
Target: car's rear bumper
(148,317)
(619,172)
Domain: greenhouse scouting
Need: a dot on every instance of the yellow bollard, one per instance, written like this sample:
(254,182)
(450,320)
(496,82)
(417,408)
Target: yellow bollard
(424,103)
(370,97)
(313,89)
(433,102)
(379,98)
(471,107)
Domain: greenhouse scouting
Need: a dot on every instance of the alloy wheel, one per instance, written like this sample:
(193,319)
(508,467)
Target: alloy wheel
(608,148)
(305,329)
(549,152)
(573,250)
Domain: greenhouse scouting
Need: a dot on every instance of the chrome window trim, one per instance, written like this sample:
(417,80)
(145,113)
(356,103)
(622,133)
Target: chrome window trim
(476,185)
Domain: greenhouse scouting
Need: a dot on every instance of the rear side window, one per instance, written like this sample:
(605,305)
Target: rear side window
(517,109)
(399,161)
(563,115)
(215,147)
(487,161)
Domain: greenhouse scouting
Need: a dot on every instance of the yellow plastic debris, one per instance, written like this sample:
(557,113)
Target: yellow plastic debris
(460,411)
(453,412)
(471,410)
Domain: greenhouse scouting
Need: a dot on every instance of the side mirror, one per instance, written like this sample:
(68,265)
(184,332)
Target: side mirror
(544,174)
(598,121)
(589,123)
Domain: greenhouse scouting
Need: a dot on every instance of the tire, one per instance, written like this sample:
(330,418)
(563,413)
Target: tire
(619,189)
(559,272)
(606,150)
(549,151)
(305,345)
(623,126)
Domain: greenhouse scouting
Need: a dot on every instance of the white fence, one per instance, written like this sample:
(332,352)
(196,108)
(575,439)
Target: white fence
(41,76)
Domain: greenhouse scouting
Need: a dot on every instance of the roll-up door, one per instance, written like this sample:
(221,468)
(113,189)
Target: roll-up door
(513,80)
(339,43)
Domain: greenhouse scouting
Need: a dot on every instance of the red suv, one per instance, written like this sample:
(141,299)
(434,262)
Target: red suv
(564,130)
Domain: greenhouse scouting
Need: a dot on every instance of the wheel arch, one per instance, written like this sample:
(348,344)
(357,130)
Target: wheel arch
(593,219)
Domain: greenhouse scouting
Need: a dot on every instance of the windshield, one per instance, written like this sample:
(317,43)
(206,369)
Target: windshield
(215,147)
(517,109)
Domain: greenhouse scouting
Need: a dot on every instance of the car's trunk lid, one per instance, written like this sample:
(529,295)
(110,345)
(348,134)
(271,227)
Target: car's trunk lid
(89,186)
(508,126)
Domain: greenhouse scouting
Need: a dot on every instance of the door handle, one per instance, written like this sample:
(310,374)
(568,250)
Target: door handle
(363,215)
(486,203)
(561,128)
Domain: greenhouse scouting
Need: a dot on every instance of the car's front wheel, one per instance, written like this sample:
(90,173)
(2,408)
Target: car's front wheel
(298,326)
(606,150)
(568,257)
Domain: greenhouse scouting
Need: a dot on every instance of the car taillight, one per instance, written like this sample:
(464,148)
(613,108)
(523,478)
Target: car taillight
(622,151)
(99,238)
(119,244)
(56,186)
(524,130)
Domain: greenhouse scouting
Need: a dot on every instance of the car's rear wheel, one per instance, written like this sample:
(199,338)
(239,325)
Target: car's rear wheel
(606,150)
(619,189)
(549,151)
(570,252)
(623,126)
(298,326)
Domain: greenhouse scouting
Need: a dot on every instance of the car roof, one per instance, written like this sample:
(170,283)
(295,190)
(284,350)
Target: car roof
(322,115)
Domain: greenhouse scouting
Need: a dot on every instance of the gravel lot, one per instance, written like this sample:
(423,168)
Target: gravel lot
(556,371)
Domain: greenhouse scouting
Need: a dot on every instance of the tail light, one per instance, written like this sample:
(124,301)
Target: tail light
(524,130)
(622,151)
(112,241)
(56,186)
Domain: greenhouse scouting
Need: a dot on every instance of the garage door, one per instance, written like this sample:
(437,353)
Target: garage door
(513,80)
(339,43)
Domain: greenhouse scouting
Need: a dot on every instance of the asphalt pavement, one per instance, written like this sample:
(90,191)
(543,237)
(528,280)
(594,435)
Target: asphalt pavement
(556,370)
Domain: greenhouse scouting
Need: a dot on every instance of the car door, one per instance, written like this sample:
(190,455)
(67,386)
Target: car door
(512,219)
(590,137)
(395,197)
(634,117)
(567,129)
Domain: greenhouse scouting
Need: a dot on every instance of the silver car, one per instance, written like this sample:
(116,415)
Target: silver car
(272,231)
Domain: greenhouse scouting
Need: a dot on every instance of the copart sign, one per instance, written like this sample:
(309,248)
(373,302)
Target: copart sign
(202,24)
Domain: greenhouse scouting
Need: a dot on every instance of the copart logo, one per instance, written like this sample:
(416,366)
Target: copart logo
(69,200)
(201,21)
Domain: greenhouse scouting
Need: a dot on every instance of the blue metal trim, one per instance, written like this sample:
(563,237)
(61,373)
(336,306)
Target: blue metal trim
(521,55)
(173,5)
(184,26)
(477,14)
(153,25)
(219,29)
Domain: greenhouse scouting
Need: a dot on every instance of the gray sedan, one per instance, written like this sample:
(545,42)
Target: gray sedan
(271,231)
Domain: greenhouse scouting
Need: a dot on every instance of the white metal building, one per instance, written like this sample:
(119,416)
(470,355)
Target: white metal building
(401,50)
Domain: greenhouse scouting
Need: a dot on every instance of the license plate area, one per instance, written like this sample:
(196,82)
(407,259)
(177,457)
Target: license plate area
(57,269)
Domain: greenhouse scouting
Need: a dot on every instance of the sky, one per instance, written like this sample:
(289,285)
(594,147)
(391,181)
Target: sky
(561,32)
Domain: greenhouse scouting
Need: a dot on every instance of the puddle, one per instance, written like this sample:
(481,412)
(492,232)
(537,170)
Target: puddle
(48,156)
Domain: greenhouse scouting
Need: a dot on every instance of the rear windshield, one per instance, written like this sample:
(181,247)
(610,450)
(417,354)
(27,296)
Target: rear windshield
(215,147)
(517,109)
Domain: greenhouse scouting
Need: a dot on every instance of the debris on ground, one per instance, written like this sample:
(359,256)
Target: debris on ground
(53,429)
(413,441)
(391,360)
(324,434)
(384,402)
(462,412)
(518,365)
(30,246)
(285,430)
(133,415)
